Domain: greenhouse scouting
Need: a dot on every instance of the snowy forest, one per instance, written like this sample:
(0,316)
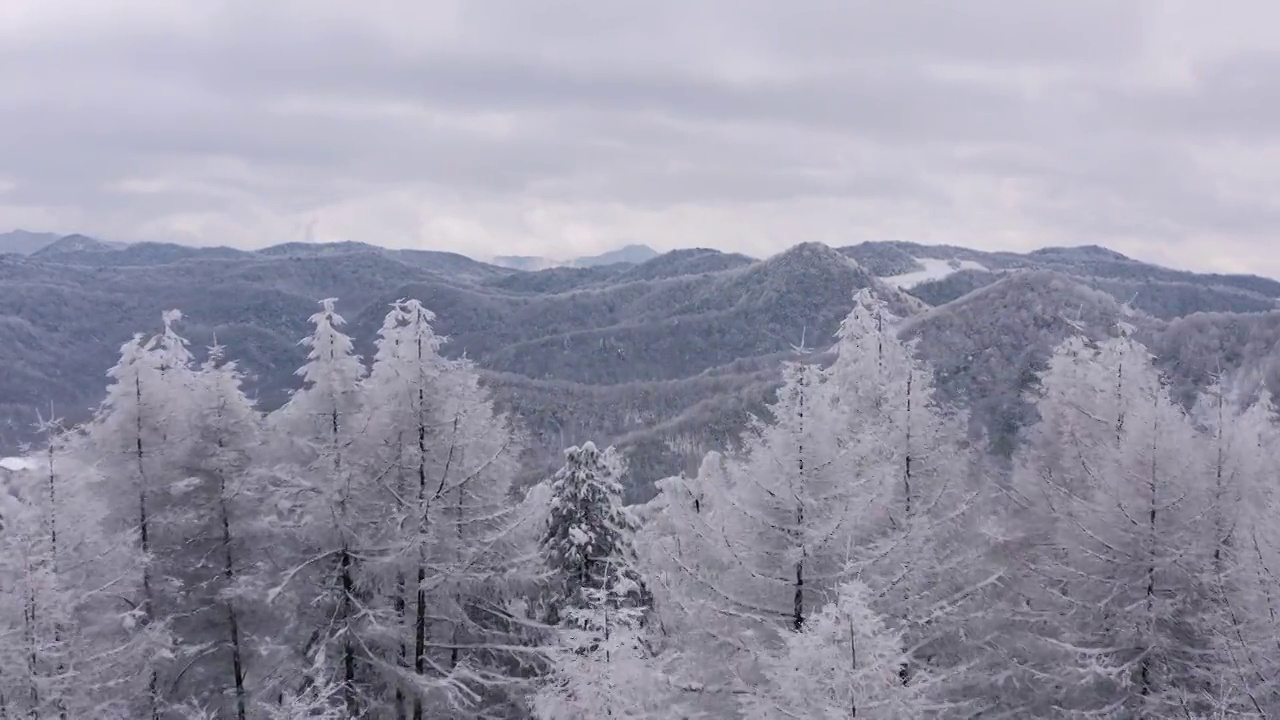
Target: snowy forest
(368,551)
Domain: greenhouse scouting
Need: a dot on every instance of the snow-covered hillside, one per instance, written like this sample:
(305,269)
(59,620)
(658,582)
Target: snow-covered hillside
(934,269)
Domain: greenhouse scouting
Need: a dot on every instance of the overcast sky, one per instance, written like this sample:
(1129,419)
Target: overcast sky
(562,128)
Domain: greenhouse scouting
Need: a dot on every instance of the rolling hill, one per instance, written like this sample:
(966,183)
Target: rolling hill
(665,356)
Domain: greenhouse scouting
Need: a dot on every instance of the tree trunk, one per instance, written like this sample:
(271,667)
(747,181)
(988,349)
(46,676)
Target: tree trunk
(1145,668)
(401,614)
(420,624)
(233,623)
(144,537)
(797,612)
(853,667)
(348,645)
(29,621)
(53,560)
(904,670)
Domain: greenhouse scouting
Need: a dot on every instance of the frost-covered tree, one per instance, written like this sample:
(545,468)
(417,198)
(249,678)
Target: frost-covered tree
(321,416)
(452,546)
(1244,447)
(138,436)
(72,641)
(1116,577)
(845,663)
(588,544)
(773,539)
(923,555)
(675,546)
(672,544)
(323,508)
(601,664)
(219,518)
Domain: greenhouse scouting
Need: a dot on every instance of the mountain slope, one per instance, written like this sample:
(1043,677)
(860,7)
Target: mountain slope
(987,347)
(667,356)
(684,344)
(74,245)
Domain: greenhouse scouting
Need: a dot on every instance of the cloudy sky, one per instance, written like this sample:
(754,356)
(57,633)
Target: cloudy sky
(561,128)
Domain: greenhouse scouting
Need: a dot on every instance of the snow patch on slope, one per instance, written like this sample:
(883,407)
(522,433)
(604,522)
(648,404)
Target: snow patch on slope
(934,269)
(18,464)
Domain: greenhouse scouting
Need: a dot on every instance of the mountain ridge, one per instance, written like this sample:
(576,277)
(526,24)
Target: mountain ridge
(668,356)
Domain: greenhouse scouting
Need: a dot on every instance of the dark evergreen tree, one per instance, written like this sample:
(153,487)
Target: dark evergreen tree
(588,544)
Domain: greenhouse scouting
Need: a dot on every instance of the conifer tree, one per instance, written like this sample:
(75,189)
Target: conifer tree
(844,663)
(1119,568)
(601,665)
(925,559)
(1244,445)
(139,435)
(588,543)
(220,517)
(72,640)
(324,512)
(452,552)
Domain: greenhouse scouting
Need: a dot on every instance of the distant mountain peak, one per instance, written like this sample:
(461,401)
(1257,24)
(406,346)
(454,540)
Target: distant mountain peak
(75,243)
(25,242)
(300,248)
(527,263)
(1082,252)
(627,255)
(634,254)
(810,253)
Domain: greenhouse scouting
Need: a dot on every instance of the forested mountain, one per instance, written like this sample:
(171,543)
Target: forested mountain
(665,357)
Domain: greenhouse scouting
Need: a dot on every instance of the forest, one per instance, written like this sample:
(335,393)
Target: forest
(369,550)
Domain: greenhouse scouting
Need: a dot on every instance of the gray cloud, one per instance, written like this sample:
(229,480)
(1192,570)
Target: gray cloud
(561,127)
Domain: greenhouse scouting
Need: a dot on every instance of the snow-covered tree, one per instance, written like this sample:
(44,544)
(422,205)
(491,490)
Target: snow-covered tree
(1116,567)
(772,539)
(1244,451)
(324,511)
(321,416)
(923,554)
(845,663)
(72,642)
(588,543)
(138,436)
(672,545)
(451,553)
(601,664)
(218,515)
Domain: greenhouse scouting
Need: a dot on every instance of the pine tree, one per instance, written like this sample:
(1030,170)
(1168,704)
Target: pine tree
(781,518)
(588,542)
(861,475)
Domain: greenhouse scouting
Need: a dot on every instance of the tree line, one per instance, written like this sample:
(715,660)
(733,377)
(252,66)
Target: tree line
(366,551)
